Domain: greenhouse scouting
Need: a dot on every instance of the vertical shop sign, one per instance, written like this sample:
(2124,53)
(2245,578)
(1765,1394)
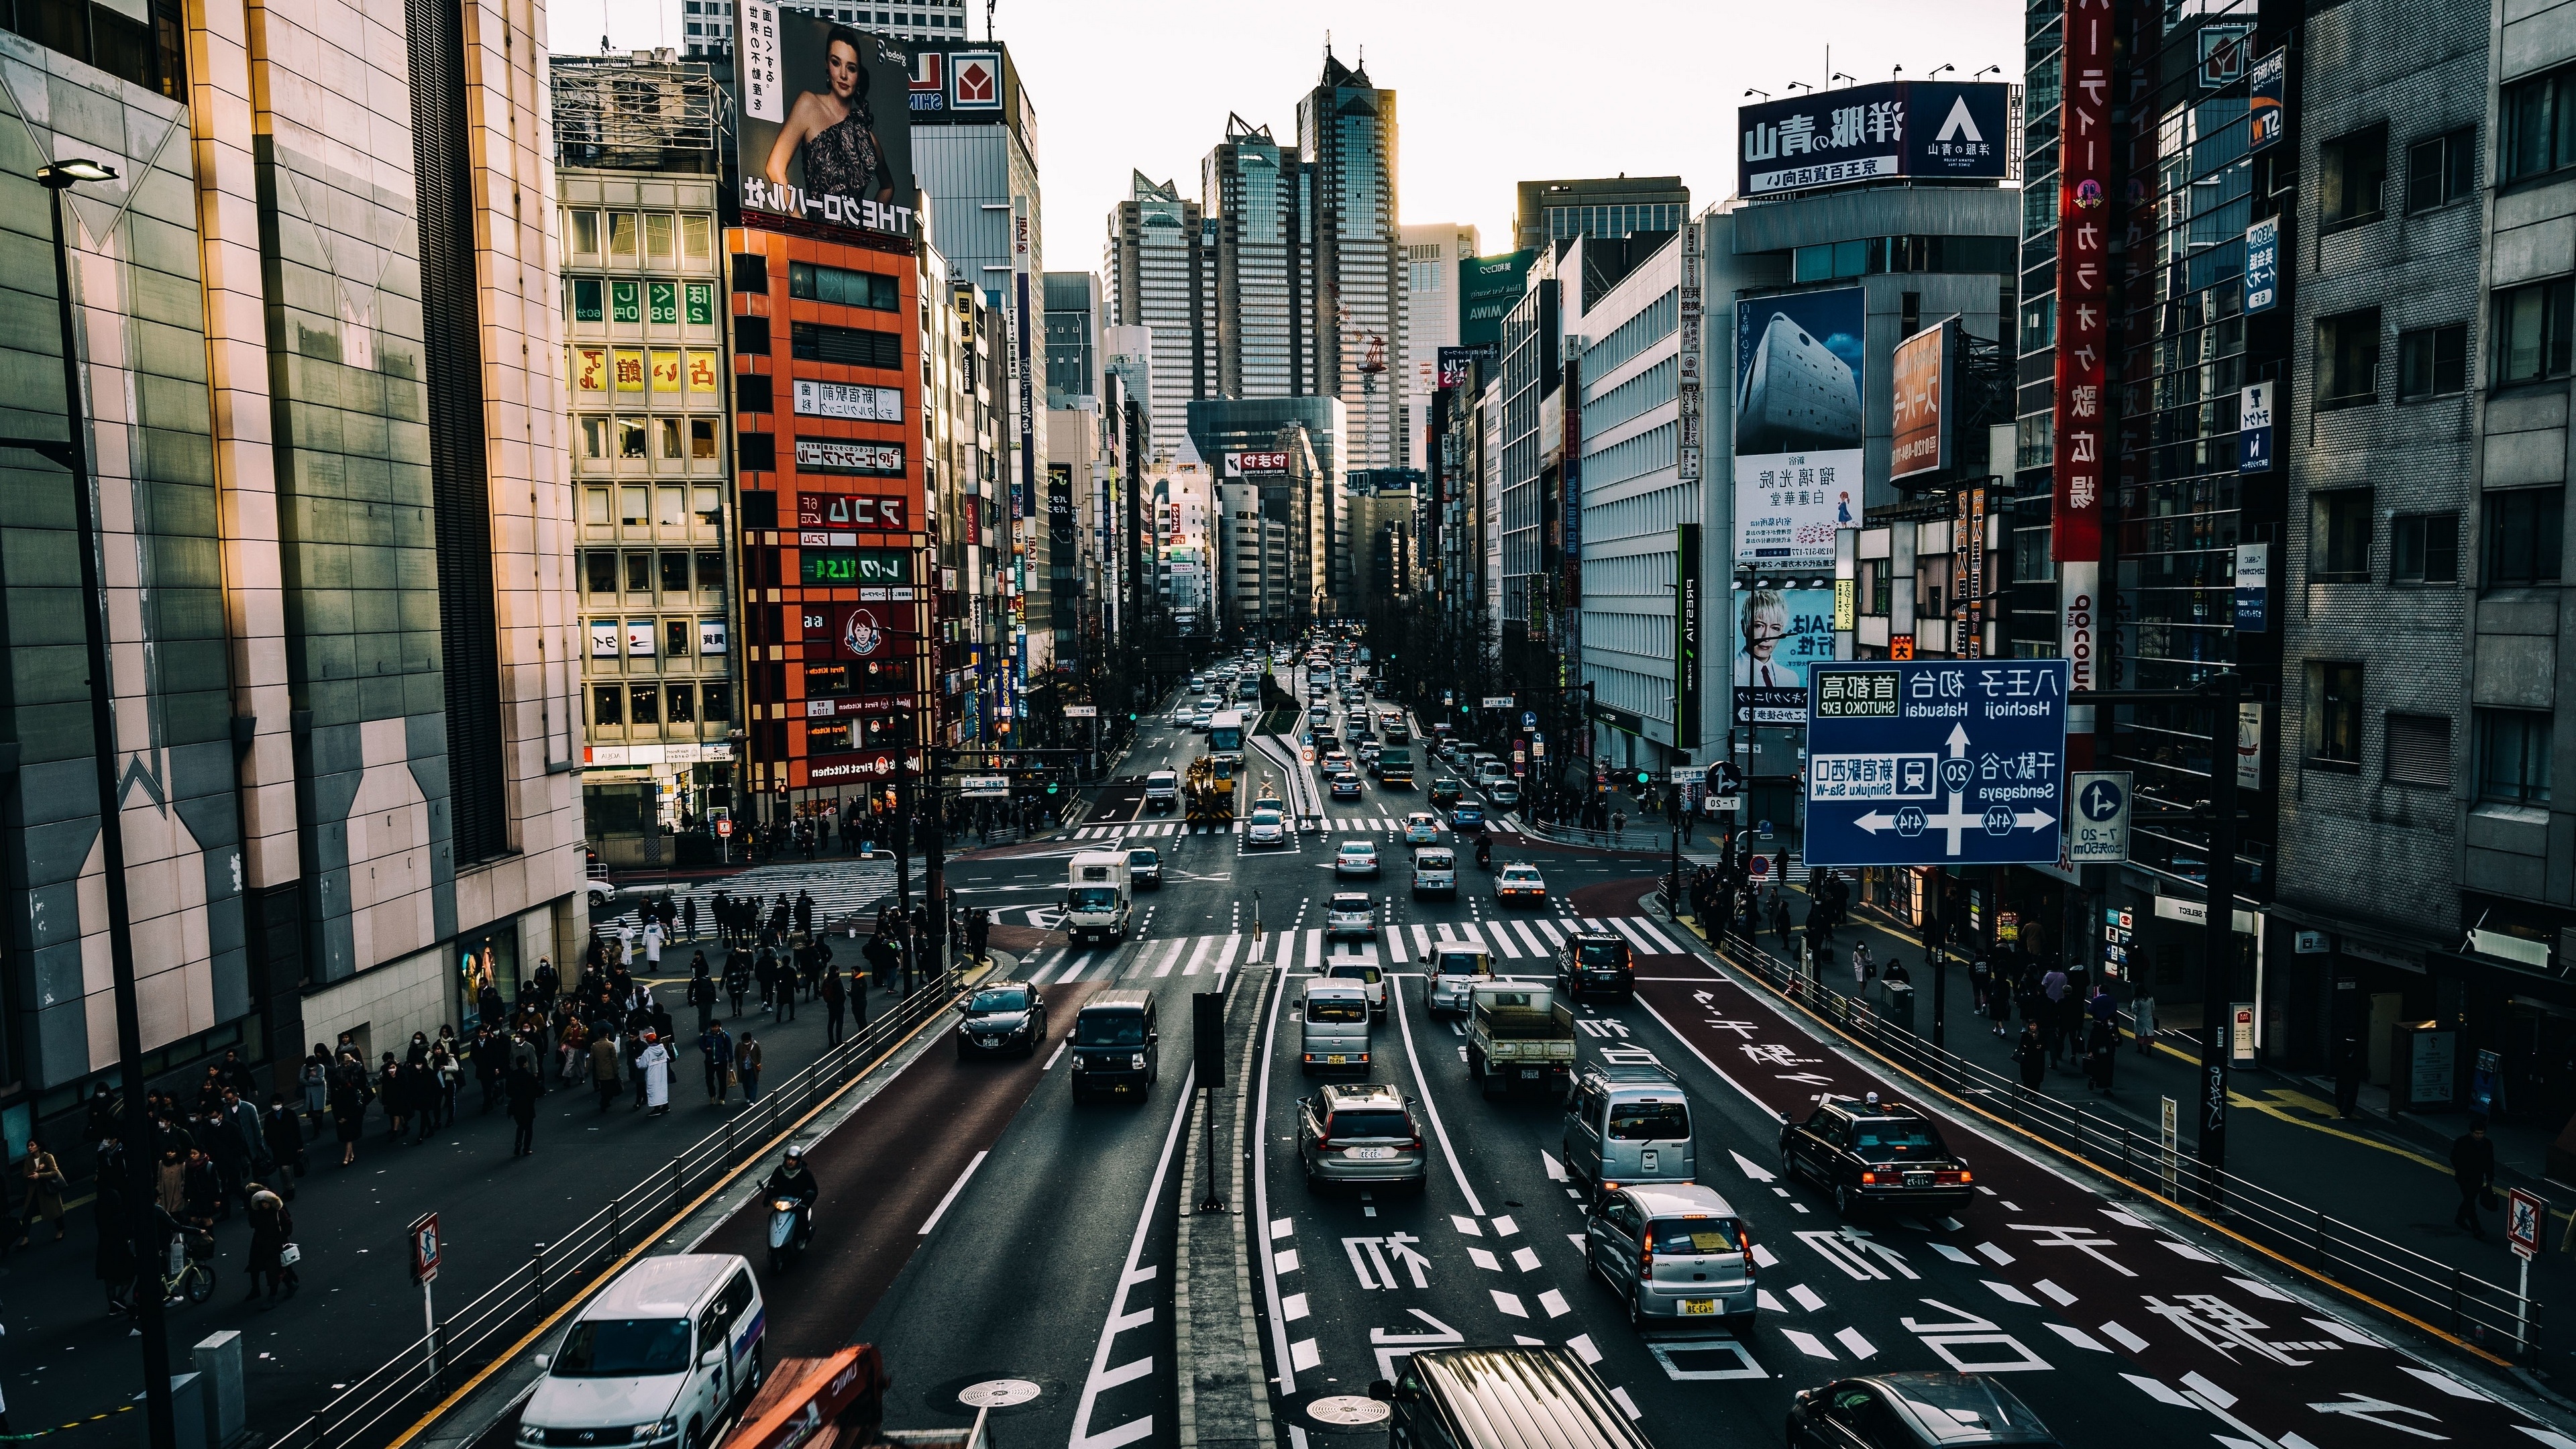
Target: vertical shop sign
(1686,388)
(1687,634)
(1968,574)
(2083,282)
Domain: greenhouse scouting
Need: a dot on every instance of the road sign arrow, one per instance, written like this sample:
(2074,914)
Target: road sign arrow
(1875,822)
(2034,820)
(1958,741)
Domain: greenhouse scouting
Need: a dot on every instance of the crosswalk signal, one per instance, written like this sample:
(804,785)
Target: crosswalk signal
(1642,778)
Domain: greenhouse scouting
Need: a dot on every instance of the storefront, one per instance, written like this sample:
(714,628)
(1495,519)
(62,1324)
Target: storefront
(480,958)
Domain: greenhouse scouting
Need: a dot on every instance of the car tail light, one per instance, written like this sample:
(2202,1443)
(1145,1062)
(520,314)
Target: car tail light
(1747,1239)
(1869,1178)
(1950,1178)
(1326,1144)
(1646,1261)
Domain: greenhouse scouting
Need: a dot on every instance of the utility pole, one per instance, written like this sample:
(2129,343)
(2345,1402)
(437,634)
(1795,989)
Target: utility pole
(2218,967)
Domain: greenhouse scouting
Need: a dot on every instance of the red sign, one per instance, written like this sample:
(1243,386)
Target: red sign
(724,827)
(2083,282)
(870,631)
(851,511)
(424,1248)
(866,765)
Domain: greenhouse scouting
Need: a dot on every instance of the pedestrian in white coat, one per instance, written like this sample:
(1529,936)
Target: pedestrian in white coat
(656,1064)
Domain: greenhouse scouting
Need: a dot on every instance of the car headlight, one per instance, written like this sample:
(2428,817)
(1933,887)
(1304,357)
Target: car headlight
(1136,1062)
(1081,1062)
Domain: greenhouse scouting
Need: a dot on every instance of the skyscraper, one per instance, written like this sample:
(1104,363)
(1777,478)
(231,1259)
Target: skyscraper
(1258,195)
(1158,280)
(1432,253)
(1346,129)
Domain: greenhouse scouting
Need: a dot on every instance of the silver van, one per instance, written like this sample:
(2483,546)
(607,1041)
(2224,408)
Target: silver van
(1456,967)
(1334,1025)
(1626,1125)
(1672,1251)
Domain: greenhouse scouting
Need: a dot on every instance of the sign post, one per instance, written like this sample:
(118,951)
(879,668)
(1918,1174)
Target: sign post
(2524,1213)
(2097,825)
(423,1238)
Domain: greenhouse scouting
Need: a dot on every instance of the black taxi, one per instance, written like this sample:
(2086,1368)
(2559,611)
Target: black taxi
(1596,961)
(1879,1153)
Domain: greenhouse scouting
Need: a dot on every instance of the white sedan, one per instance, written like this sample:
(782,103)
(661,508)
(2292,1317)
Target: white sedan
(1421,828)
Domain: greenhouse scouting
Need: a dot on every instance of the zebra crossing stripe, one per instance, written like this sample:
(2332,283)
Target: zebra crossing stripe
(1503,941)
(1036,975)
(1198,958)
(1395,945)
(1537,947)
(1225,958)
(1640,942)
(1315,950)
(1554,936)
(1172,960)
(1670,948)
(1422,941)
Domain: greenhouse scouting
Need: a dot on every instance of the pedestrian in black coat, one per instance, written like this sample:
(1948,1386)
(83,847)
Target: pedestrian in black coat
(285,1132)
(2031,1055)
(2473,1164)
(524,1089)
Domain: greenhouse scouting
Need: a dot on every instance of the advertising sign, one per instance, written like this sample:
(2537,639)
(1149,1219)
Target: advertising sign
(825,137)
(984,787)
(2253,587)
(2254,428)
(1457,364)
(1778,634)
(1060,522)
(869,765)
(2267,91)
(1692,448)
(2262,264)
(843,400)
(1488,289)
(850,510)
(851,568)
(871,631)
(2083,286)
(1688,630)
(1935,763)
(2240,1035)
(1920,373)
(1497,701)
(844,455)
(1936,130)
(2097,829)
(605,640)
(1256,465)
(1798,426)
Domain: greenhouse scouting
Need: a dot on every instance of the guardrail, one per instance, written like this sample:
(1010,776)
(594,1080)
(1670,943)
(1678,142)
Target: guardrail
(2488,1316)
(468,1338)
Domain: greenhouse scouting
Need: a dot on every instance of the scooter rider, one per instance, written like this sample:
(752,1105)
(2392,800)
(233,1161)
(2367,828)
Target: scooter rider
(791,1178)
(1485,853)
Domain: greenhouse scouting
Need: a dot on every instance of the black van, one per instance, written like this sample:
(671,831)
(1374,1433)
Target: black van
(1503,1398)
(1115,1045)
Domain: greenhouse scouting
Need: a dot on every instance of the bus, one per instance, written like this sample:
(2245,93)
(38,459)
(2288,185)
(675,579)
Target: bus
(1225,732)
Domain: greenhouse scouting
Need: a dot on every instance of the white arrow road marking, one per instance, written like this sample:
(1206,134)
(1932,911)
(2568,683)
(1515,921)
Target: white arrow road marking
(1854,1344)
(1555,1169)
(1391,1346)
(1750,1168)
(2370,1410)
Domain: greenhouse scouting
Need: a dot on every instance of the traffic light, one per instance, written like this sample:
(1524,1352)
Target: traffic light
(1131,716)
(1642,778)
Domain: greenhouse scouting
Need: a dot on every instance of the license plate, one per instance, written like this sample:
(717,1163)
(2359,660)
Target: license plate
(1699,1305)
(1918,1179)
(1529,1074)
(1337,1061)
(1369,1154)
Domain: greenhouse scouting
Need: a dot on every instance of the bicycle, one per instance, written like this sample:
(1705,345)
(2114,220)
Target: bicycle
(193,1277)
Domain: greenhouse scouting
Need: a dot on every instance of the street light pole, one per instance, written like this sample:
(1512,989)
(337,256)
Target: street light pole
(2218,973)
(148,1319)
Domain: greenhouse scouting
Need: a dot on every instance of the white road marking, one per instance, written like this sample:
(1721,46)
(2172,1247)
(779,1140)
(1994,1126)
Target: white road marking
(1995,1255)
(1198,958)
(1853,1343)
(1806,1298)
(1485,1259)
(1763,1300)
(2261,1289)
(1555,1304)
(1404,1029)
(1955,1255)
(1293,1307)
(1750,1168)
(2062,1297)
(1525,1259)
(1509,1303)
(954,1188)
(1102,1376)
(2078,1337)
(2010,1294)
(2159,1391)
(2184,1250)
(1504,1227)
(1555,1169)
(1807,1343)
(1286,1258)
(1057,1054)
(2123,1337)
(1467,1225)
(1627,1405)
(1581,1343)
(1763,1257)
(1173,959)
(1282,1227)
(1303,1355)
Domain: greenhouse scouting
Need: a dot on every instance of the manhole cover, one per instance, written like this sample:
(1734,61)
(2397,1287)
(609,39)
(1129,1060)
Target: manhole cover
(997,1393)
(1348,1411)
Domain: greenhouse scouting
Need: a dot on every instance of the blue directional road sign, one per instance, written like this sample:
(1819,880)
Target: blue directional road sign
(1936,763)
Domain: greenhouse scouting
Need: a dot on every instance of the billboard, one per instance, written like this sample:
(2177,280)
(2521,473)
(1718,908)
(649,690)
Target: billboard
(2264,96)
(1798,426)
(1256,465)
(1456,363)
(1488,289)
(2083,294)
(1921,373)
(1923,130)
(822,139)
(1779,634)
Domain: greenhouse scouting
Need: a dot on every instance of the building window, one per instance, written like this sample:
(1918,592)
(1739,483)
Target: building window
(639,573)
(842,287)
(2424,548)
(675,573)
(711,572)
(669,429)
(2534,327)
(683,700)
(594,506)
(2334,716)
(660,245)
(2348,359)
(697,239)
(751,336)
(594,439)
(621,236)
(644,704)
(601,570)
(585,300)
(2339,535)
(630,507)
(2522,543)
(675,642)
(750,272)
(607,704)
(2432,362)
(2513,756)
(717,698)
(2419,749)
(847,346)
(630,438)
(2355,173)
(2441,170)
(584,231)
(2539,117)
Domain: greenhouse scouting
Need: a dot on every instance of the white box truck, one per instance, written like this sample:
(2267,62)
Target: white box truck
(1097,896)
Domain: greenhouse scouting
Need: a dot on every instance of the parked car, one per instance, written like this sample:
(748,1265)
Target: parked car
(1673,1250)
(1356,857)
(1907,1410)
(1884,1155)
(1364,1132)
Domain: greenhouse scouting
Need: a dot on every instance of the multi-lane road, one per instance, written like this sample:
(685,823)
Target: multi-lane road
(985,1230)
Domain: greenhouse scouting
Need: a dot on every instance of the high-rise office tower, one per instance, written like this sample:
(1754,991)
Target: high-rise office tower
(1258,197)
(1346,129)
(1432,253)
(1158,279)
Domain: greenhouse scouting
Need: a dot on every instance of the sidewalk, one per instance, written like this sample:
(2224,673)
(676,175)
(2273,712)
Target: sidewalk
(68,1360)
(2390,1178)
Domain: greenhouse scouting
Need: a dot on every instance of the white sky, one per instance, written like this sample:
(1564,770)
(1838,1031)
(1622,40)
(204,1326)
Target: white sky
(1489,93)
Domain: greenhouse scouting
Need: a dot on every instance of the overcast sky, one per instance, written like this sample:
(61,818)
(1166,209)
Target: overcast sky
(1488,94)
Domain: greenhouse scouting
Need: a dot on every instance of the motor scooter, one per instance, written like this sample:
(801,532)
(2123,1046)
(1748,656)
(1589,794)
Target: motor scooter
(791,1227)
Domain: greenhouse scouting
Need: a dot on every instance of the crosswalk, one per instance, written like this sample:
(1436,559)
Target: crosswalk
(1532,939)
(839,888)
(1150,829)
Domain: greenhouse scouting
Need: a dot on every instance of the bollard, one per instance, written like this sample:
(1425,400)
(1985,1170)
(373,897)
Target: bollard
(217,1360)
(537,1270)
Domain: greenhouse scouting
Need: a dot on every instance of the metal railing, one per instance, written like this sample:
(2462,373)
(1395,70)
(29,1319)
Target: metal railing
(468,1338)
(2485,1314)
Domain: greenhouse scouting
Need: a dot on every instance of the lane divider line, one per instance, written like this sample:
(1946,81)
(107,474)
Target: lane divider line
(954,1188)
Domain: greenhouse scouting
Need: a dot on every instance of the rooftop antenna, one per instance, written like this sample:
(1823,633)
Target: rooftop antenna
(1898,71)
(988,20)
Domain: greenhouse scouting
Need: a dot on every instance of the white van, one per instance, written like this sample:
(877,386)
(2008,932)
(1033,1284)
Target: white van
(660,1359)
(1435,871)
(1097,896)
(1162,792)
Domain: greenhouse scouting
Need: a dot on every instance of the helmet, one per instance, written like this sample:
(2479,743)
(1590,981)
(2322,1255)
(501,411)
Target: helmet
(795,1154)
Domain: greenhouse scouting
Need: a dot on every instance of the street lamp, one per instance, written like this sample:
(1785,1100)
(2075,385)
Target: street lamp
(73,454)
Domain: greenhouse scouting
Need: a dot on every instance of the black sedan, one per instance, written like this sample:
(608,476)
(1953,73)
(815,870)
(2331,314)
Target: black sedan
(1878,1153)
(1002,1016)
(1913,1411)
